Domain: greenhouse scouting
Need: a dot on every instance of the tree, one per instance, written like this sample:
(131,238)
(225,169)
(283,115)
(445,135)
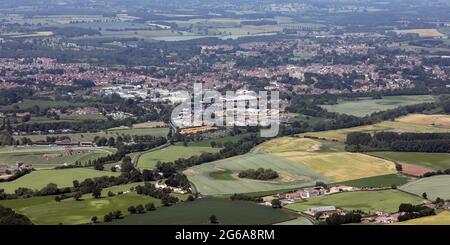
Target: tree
(77,196)
(150,207)
(76,184)
(94,219)
(111,194)
(117,214)
(276,203)
(190,198)
(140,209)
(213,219)
(108,217)
(131,210)
(424,195)
(97,192)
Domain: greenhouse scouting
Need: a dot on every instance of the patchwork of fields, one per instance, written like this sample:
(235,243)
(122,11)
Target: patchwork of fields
(299,162)
(394,126)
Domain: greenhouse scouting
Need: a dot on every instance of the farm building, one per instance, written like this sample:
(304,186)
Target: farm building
(323,212)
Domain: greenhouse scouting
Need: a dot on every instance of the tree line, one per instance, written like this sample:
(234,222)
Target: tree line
(400,142)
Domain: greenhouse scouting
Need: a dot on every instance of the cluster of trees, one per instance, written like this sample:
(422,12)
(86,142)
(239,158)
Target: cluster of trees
(230,149)
(9,217)
(178,180)
(164,194)
(401,142)
(111,216)
(259,174)
(439,172)
(339,219)
(242,197)
(414,211)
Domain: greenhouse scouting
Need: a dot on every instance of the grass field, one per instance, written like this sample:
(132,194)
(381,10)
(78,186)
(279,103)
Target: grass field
(50,157)
(365,106)
(46,211)
(393,126)
(198,213)
(436,161)
(171,153)
(367,201)
(43,104)
(436,186)
(342,166)
(61,177)
(443,218)
(378,181)
(291,175)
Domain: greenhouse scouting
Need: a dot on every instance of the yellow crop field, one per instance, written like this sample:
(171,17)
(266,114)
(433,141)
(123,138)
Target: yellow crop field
(342,166)
(442,218)
(288,144)
(439,120)
(423,32)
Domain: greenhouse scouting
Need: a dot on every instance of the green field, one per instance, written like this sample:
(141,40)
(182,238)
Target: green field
(292,175)
(46,211)
(443,218)
(378,181)
(198,212)
(28,104)
(148,160)
(61,177)
(50,157)
(436,161)
(365,106)
(367,201)
(436,186)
